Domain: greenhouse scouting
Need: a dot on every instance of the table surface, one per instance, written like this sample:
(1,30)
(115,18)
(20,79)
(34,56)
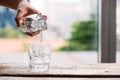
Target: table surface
(85,72)
(62,67)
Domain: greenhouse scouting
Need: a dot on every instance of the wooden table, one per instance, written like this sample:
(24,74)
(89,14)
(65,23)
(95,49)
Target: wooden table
(84,72)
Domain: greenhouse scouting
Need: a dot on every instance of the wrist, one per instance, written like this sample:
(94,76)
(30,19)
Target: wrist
(12,3)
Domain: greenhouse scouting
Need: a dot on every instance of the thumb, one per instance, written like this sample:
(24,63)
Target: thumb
(18,21)
(18,18)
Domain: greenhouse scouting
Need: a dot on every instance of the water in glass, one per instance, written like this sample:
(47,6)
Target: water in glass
(39,57)
(33,24)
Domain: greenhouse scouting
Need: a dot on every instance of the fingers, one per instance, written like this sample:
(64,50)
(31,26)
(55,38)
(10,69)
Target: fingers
(23,13)
(45,17)
(18,21)
(33,33)
(18,18)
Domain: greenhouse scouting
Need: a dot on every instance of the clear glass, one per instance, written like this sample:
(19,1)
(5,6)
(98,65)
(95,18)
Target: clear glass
(33,23)
(39,55)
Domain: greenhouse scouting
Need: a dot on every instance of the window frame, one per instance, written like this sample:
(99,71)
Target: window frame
(107,31)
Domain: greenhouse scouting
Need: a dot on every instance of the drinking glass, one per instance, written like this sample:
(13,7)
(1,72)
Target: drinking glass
(33,24)
(39,57)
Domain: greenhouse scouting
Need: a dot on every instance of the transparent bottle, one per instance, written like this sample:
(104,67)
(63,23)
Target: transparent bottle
(33,24)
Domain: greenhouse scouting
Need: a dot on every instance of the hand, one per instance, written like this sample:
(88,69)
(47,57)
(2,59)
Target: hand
(25,9)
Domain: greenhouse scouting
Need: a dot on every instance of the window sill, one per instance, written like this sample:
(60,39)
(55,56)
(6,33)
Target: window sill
(89,70)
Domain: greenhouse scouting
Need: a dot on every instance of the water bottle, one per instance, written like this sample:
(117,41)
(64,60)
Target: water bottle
(33,24)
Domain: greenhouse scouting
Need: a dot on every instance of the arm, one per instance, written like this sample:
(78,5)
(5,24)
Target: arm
(23,9)
(10,3)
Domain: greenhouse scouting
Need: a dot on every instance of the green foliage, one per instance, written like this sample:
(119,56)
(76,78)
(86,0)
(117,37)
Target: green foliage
(82,36)
(11,32)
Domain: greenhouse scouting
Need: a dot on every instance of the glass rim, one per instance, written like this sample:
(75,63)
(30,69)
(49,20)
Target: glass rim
(39,44)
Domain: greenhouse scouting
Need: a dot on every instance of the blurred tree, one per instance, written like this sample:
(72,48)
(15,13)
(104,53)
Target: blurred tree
(11,32)
(82,36)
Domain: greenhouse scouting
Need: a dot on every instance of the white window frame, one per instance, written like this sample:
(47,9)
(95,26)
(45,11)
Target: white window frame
(107,31)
